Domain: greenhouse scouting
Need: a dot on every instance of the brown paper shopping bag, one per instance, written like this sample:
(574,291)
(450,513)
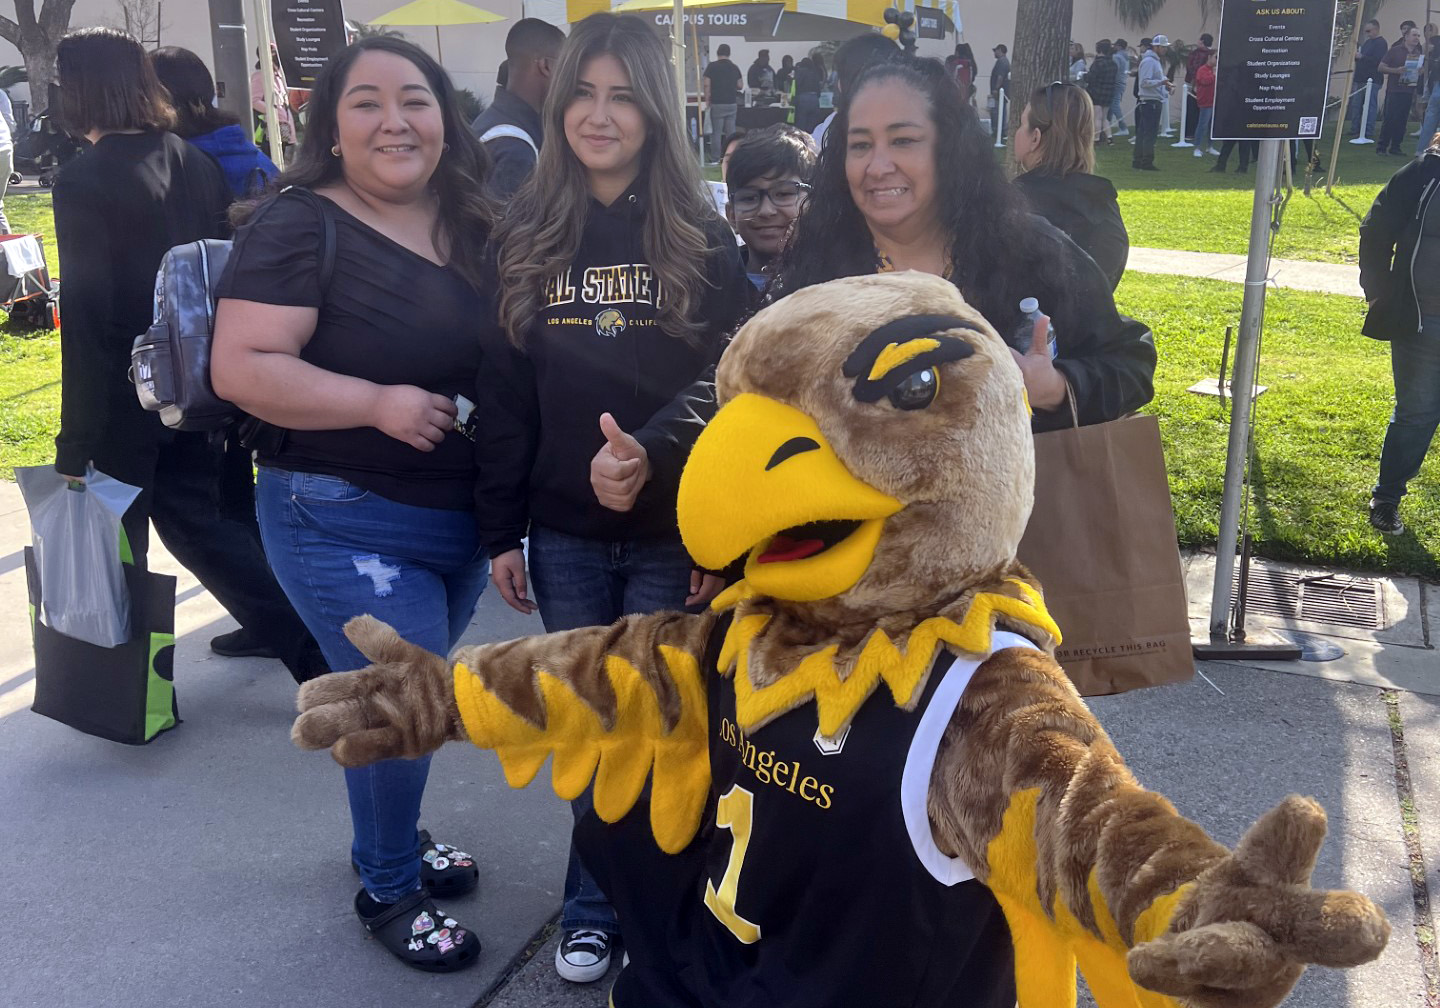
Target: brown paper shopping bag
(1101,541)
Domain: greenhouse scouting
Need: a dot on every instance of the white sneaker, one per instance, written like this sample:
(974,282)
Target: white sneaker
(1199,152)
(1214,151)
(1122,131)
(583,955)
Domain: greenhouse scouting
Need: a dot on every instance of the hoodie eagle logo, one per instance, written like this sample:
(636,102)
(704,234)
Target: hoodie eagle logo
(610,322)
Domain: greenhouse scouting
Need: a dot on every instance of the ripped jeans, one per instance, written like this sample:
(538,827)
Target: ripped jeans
(339,551)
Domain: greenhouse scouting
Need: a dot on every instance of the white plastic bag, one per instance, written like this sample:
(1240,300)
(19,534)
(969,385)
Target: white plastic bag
(75,530)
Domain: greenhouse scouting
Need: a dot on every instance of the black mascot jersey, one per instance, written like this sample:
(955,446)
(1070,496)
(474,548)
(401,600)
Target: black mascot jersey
(806,887)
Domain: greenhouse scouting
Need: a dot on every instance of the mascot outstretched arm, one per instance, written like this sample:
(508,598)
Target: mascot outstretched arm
(868,778)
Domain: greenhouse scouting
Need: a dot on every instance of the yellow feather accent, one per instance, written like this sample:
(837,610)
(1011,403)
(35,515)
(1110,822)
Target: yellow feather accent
(620,759)
(898,353)
(1048,945)
(902,669)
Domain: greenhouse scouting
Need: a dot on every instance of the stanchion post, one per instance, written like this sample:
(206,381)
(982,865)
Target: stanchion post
(1184,109)
(1364,137)
(1165,130)
(999,125)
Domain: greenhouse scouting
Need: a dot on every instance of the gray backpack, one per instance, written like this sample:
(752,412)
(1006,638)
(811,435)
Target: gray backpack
(170,361)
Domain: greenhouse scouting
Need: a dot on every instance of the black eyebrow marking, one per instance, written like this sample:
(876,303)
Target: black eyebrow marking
(863,357)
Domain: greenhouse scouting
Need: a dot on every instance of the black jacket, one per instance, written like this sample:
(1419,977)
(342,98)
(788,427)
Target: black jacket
(1101,80)
(1085,207)
(118,209)
(1388,236)
(595,348)
(512,158)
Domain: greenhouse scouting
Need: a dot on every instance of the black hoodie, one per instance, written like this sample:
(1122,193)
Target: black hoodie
(596,348)
(1085,207)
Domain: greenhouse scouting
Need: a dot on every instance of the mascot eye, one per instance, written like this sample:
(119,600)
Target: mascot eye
(917,391)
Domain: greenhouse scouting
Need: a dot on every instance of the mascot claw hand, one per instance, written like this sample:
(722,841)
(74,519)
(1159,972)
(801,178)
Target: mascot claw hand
(400,707)
(1251,924)
(861,779)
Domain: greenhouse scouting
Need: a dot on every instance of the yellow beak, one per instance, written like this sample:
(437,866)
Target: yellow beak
(761,468)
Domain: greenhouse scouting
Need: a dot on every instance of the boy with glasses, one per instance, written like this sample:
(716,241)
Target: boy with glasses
(768,176)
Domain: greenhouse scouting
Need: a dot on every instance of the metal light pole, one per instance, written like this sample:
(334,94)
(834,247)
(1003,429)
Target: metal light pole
(232,73)
(1242,393)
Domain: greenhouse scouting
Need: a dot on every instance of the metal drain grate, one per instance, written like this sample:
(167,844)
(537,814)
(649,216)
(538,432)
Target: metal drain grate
(1340,601)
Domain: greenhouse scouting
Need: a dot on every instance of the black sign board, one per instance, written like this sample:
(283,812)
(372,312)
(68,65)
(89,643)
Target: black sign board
(1274,65)
(931,22)
(307,34)
(749,19)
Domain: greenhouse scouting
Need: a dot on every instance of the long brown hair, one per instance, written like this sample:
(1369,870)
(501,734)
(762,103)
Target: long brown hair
(466,215)
(541,230)
(1065,117)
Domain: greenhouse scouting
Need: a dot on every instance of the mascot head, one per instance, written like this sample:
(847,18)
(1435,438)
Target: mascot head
(872,451)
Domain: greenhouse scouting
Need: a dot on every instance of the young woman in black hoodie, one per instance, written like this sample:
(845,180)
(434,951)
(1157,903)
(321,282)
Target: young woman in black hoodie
(619,283)
(1054,150)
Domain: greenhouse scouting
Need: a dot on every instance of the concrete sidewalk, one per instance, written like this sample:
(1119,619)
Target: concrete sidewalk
(1327,278)
(209,868)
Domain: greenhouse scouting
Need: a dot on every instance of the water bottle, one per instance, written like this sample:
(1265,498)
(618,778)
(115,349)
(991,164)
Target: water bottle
(1030,309)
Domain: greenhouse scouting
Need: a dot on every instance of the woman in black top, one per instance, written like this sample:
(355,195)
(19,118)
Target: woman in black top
(1057,160)
(118,208)
(349,318)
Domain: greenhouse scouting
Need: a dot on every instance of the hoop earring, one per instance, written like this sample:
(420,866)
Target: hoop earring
(335,151)
(444,148)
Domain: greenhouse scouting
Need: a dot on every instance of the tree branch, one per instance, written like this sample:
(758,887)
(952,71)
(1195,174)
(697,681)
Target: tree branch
(10,31)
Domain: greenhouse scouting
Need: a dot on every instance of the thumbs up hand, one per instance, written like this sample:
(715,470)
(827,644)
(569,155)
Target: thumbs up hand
(619,469)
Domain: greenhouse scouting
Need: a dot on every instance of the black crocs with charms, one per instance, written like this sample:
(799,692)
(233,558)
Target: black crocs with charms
(444,870)
(420,934)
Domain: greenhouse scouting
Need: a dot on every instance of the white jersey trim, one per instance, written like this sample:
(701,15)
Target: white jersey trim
(505,130)
(920,762)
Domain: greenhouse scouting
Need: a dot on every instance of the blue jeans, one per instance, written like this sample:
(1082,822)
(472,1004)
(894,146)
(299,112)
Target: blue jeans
(587,582)
(1202,128)
(339,551)
(1431,125)
(1116,112)
(1415,363)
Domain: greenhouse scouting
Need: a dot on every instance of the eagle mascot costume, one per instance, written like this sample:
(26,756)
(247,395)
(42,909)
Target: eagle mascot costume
(861,779)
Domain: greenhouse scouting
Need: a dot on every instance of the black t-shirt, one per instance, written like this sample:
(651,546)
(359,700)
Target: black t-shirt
(725,79)
(389,316)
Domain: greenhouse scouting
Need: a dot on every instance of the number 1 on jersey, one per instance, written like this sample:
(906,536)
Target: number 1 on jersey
(735,812)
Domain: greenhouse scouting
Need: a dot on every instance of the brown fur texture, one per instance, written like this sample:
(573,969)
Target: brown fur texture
(1026,788)
(401,706)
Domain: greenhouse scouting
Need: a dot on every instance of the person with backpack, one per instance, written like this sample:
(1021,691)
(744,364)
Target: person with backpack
(350,317)
(510,128)
(139,191)
(192,91)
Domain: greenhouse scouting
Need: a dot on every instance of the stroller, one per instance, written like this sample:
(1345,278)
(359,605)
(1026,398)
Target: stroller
(27,293)
(44,149)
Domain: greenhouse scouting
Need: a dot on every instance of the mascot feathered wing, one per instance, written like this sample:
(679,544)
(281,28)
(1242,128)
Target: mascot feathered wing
(872,460)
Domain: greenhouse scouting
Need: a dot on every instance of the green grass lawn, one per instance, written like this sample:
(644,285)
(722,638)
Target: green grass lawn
(1186,206)
(1318,428)
(29,360)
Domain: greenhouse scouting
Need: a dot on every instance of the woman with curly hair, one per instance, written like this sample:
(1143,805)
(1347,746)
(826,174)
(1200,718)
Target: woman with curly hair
(907,180)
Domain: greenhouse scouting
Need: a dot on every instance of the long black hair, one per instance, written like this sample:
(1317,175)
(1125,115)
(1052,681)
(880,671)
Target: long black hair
(466,215)
(107,83)
(192,91)
(993,238)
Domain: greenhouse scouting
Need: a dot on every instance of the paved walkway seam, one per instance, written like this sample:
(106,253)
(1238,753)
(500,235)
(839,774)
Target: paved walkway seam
(519,962)
(1410,833)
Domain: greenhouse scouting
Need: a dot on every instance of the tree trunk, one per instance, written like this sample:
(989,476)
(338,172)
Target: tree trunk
(1042,43)
(36,38)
